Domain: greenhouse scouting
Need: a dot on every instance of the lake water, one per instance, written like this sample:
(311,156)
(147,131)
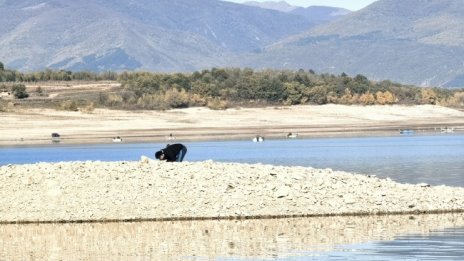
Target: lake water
(411,159)
(432,159)
(399,237)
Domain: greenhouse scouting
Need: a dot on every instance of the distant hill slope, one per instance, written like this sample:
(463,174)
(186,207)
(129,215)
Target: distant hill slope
(313,14)
(281,6)
(163,35)
(321,14)
(414,41)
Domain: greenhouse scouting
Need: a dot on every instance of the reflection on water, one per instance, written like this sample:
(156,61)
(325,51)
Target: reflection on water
(321,238)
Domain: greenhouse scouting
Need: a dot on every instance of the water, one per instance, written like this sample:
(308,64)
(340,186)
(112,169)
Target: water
(432,159)
(399,237)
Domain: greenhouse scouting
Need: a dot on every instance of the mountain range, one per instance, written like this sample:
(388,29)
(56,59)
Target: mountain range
(314,14)
(416,41)
(164,35)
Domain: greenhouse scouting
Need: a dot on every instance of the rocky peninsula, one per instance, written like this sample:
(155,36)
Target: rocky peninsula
(153,190)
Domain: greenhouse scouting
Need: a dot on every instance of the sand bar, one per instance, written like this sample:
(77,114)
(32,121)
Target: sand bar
(153,190)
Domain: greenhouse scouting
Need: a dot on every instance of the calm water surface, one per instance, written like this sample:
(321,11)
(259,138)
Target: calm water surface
(399,237)
(413,159)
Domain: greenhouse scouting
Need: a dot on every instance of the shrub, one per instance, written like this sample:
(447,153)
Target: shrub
(113,100)
(89,108)
(318,95)
(367,98)
(176,99)
(69,105)
(19,91)
(39,91)
(428,96)
(293,93)
(385,97)
(216,104)
(347,97)
(151,102)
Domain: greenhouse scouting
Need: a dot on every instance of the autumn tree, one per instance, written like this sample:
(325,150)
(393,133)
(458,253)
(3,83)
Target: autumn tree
(384,98)
(428,96)
(367,98)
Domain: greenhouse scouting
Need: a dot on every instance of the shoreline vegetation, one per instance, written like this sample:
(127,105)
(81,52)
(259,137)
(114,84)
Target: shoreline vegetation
(217,88)
(215,104)
(149,190)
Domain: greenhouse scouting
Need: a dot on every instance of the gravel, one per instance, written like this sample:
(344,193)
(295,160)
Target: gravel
(154,190)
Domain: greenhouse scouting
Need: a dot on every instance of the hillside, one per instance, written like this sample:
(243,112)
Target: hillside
(158,35)
(415,41)
(313,14)
(280,6)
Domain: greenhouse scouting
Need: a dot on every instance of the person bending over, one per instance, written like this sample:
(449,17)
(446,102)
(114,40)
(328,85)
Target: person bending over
(172,153)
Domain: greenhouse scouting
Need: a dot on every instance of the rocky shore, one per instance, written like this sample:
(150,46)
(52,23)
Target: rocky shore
(153,190)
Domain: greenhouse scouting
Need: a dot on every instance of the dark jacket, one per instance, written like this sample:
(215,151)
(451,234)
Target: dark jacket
(171,151)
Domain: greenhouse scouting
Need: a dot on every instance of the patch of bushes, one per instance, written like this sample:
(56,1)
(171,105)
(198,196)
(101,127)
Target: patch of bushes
(69,105)
(19,91)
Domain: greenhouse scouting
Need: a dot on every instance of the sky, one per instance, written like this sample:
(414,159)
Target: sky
(352,5)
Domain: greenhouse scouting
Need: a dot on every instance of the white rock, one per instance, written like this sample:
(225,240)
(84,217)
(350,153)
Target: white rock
(145,159)
(282,192)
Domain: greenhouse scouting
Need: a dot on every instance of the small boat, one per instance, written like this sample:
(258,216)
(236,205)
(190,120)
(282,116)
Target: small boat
(117,139)
(292,135)
(258,138)
(407,132)
(447,130)
(56,137)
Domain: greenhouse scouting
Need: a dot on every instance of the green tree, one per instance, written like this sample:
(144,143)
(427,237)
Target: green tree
(293,92)
(318,95)
(2,67)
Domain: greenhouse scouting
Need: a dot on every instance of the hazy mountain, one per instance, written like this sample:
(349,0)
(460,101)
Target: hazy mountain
(320,14)
(414,41)
(281,6)
(164,35)
(314,14)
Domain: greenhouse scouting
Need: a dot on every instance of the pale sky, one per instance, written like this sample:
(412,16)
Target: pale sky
(352,5)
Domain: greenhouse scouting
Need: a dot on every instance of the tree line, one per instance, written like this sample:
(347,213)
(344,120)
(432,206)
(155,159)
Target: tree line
(219,88)
(7,75)
(226,87)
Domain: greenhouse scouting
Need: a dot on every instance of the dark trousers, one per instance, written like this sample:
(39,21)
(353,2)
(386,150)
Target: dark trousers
(180,156)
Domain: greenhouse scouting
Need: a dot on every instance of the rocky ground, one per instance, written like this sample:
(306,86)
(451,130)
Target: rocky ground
(153,190)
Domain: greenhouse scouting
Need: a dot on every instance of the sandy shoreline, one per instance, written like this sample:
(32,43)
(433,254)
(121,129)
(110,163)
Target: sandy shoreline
(35,126)
(153,190)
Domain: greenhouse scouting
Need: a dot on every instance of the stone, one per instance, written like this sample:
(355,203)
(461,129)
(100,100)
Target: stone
(282,192)
(144,160)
